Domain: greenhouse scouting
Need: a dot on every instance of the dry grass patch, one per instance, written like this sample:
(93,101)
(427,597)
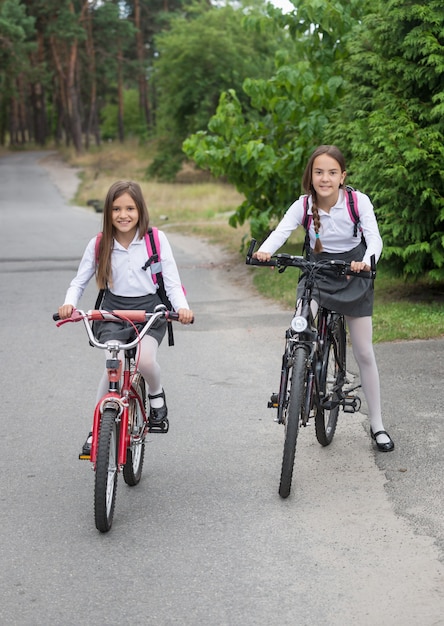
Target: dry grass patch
(196,205)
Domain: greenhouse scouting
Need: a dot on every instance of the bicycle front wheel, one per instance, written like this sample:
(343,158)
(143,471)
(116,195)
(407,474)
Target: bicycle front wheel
(105,486)
(296,400)
(331,381)
(132,470)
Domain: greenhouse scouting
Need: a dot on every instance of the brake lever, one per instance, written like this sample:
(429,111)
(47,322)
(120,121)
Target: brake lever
(250,251)
(75,317)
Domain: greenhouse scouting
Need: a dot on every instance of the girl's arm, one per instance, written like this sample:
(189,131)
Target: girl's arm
(85,272)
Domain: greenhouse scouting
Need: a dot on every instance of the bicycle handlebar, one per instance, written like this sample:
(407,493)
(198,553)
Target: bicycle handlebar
(125,314)
(283,261)
(141,317)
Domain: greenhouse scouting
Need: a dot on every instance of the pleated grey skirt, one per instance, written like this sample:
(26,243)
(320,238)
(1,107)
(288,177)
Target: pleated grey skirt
(123,331)
(351,296)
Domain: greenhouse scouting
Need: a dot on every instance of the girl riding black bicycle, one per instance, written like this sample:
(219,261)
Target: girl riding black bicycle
(333,234)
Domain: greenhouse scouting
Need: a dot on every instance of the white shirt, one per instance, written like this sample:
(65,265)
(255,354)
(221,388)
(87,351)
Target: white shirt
(336,232)
(128,277)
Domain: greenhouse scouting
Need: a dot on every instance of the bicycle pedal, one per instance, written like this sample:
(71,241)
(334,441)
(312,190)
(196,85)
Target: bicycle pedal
(352,404)
(273,403)
(85,457)
(161,428)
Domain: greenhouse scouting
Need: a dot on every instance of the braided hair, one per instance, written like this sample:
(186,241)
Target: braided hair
(307,184)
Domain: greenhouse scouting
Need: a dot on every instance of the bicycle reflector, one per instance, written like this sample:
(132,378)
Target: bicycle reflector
(299,324)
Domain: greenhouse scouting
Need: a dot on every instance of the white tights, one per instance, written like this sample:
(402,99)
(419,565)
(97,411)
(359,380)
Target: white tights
(148,367)
(361,335)
(361,332)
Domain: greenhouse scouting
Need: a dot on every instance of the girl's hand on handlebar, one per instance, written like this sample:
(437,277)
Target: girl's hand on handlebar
(262,256)
(359,266)
(65,311)
(185,316)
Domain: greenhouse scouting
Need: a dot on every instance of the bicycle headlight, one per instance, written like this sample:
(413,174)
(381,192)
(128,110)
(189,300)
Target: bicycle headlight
(299,324)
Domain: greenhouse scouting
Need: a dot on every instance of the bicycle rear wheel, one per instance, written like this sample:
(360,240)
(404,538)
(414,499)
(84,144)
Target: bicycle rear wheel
(105,486)
(292,418)
(331,381)
(132,470)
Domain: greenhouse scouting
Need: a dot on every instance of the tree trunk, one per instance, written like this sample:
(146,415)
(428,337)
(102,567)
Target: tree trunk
(73,99)
(92,124)
(13,122)
(120,95)
(142,80)
(22,125)
(65,54)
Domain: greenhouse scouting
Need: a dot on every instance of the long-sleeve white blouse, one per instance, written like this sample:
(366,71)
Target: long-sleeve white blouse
(337,227)
(128,277)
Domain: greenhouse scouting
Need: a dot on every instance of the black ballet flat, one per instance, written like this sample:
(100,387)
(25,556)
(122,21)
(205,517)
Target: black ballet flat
(383,447)
(159,415)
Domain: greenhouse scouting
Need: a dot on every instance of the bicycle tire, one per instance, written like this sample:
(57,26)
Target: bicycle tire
(292,421)
(331,381)
(132,470)
(105,485)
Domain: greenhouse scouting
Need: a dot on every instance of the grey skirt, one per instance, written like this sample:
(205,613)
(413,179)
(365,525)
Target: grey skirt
(123,331)
(351,296)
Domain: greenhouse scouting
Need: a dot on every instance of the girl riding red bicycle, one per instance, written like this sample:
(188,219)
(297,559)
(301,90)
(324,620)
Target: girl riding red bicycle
(120,263)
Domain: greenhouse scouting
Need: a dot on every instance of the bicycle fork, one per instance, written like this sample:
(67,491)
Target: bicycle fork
(117,402)
(279,400)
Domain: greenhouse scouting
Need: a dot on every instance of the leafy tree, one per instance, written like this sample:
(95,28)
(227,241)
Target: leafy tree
(263,148)
(199,57)
(392,123)
(133,120)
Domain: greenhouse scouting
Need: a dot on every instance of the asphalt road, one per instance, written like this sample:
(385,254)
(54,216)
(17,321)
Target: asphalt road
(204,539)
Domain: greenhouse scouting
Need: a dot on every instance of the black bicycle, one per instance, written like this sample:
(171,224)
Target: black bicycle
(313,380)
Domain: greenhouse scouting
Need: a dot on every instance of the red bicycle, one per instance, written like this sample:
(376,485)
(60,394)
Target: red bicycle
(121,417)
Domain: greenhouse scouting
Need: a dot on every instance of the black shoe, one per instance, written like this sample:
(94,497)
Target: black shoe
(86,449)
(157,416)
(383,447)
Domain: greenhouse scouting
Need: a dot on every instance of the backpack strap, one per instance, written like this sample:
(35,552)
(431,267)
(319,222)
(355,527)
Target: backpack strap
(155,264)
(97,246)
(351,200)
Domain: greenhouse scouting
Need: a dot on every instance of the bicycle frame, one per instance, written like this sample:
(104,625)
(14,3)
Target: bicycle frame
(118,397)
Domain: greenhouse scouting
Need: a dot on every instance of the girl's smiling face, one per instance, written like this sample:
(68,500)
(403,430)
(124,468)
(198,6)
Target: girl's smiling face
(125,216)
(326,180)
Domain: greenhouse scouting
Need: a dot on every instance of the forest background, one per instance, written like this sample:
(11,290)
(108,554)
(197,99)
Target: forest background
(238,94)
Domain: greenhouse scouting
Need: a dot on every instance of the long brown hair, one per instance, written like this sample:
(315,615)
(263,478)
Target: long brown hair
(117,189)
(307,184)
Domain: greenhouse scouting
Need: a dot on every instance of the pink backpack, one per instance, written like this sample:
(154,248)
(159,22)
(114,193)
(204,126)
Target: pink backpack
(154,262)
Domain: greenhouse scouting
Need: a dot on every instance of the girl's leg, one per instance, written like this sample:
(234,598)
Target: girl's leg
(150,369)
(361,332)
